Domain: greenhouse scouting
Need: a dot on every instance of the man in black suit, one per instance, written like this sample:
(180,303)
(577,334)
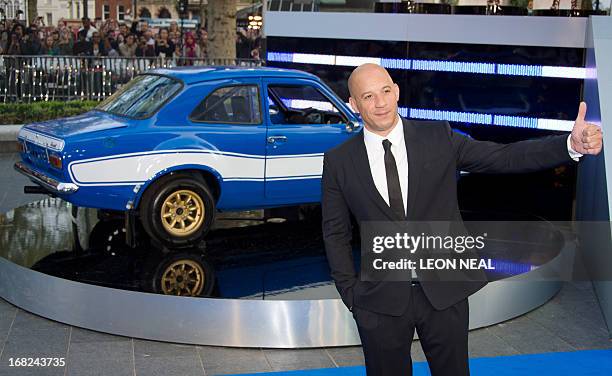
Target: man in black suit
(397,170)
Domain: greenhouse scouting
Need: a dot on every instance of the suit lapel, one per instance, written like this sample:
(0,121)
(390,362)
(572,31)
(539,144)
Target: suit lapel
(362,167)
(415,150)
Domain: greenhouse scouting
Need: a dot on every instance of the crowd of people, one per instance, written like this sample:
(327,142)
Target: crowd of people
(116,39)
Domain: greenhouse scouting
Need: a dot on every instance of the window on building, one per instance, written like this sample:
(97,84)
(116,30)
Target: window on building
(9,10)
(49,19)
(105,12)
(164,13)
(120,12)
(144,13)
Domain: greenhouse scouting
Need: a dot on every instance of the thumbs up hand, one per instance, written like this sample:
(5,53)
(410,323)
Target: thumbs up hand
(586,138)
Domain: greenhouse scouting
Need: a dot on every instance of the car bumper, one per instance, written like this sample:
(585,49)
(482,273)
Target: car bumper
(53,185)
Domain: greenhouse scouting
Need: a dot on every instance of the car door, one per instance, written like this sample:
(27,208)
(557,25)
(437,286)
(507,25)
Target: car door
(229,120)
(304,119)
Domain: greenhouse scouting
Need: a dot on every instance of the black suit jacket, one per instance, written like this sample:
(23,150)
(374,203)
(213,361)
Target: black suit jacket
(435,153)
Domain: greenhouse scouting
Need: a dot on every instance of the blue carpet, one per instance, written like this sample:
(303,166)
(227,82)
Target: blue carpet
(576,363)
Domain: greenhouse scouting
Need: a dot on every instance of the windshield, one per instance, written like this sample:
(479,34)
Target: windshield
(141,97)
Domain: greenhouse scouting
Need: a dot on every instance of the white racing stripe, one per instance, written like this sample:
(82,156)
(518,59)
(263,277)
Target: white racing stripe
(294,166)
(134,168)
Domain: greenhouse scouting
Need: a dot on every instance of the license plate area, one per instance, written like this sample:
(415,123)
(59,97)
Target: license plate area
(37,155)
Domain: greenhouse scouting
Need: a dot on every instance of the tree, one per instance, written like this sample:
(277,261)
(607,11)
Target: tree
(221,21)
(202,10)
(32,11)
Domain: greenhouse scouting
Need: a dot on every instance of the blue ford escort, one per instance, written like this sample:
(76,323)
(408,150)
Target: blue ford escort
(173,146)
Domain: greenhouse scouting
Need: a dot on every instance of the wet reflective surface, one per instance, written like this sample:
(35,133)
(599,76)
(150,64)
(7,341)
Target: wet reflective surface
(246,255)
(274,254)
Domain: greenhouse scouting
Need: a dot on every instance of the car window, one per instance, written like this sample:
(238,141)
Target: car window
(301,104)
(230,104)
(141,97)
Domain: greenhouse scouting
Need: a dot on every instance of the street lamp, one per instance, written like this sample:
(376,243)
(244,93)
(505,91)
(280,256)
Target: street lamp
(182,8)
(255,22)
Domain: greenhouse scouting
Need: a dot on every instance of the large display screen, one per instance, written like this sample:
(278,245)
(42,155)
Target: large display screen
(491,92)
(475,86)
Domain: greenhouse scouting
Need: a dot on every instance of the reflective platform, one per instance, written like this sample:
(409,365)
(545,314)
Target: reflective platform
(261,279)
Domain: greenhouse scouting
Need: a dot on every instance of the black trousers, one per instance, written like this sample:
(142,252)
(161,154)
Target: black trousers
(387,340)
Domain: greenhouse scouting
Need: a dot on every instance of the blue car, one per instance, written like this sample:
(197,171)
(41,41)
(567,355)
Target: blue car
(174,146)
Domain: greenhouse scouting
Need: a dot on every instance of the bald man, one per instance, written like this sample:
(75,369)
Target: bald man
(405,170)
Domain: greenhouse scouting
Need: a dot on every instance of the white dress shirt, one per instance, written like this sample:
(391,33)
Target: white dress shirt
(376,157)
(573,153)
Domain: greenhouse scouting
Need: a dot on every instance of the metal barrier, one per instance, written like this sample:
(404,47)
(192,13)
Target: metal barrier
(46,78)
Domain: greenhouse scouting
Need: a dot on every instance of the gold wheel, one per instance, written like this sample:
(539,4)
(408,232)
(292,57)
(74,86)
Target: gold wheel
(182,213)
(183,278)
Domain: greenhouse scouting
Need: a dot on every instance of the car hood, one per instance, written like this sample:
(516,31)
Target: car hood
(92,121)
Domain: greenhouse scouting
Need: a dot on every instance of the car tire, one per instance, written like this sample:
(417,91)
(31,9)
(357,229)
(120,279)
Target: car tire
(178,210)
(179,274)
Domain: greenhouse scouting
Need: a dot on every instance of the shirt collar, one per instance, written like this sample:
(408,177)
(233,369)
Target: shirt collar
(396,136)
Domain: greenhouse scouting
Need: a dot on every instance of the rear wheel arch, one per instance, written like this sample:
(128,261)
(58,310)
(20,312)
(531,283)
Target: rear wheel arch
(178,208)
(211,178)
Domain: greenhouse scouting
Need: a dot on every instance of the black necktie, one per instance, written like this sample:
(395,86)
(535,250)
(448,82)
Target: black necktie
(396,201)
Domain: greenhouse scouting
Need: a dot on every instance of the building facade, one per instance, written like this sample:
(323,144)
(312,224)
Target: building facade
(52,11)
(167,9)
(157,9)
(11,8)
(114,9)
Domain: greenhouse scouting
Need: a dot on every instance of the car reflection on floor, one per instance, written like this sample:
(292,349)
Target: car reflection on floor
(247,255)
